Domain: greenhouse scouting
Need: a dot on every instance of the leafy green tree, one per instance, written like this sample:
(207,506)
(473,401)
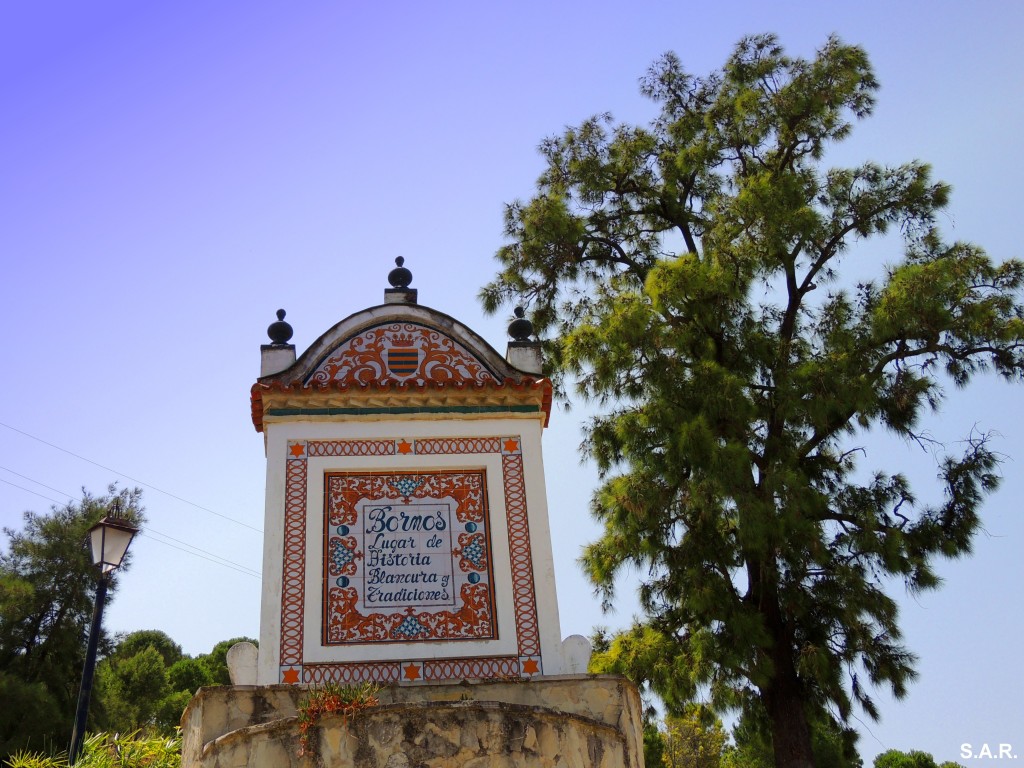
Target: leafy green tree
(894,758)
(184,678)
(146,682)
(216,661)
(693,739)
(604,659)
(130,686)
(47,593)
(161,642)
(169,710)
(188,675)
(687,275)
(832,744)
(133,680)
(654,743)
(30,711)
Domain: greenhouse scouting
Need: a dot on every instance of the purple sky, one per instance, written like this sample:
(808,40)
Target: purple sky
(172,173)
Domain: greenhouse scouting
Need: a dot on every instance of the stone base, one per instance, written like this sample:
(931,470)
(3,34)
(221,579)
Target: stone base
(571,721)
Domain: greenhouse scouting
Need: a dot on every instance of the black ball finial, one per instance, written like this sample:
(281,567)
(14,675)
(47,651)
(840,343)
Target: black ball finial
(400,277)
(520,329)
(279,332)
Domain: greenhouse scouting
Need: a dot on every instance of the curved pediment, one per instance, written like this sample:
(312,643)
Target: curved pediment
(397,345)
(400,352)
(399,358)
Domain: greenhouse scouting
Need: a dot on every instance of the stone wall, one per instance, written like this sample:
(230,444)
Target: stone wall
(557,722)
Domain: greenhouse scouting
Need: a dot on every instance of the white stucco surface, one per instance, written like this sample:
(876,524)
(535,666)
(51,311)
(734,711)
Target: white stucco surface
(280,435)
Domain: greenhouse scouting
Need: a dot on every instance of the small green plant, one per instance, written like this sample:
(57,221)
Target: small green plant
(106,750)
(25,759)
(330,699)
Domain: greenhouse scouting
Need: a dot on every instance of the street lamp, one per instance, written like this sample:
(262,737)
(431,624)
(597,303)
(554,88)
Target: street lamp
(109,540)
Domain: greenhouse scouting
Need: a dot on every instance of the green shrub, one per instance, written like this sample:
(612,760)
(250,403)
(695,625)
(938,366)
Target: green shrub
(104,750)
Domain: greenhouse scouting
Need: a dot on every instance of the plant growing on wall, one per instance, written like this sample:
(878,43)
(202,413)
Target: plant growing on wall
(332,699)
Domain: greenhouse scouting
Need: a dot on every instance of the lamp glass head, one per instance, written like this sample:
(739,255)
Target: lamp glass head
(110,540)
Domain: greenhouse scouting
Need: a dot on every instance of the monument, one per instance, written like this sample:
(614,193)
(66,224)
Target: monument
(406,543)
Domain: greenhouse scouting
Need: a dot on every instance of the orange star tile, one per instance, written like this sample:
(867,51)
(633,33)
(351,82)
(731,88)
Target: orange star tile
(530,667)
(412,672)
(511,446)
(290,676)
(405,447)
(297,450)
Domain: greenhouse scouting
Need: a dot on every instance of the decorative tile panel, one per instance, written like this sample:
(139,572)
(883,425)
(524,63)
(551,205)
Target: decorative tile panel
(354,501)
(406,353)
(407,557)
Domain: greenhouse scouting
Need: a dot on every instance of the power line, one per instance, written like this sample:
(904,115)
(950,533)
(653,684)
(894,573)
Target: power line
(237,566)
(129,477)
(193,550)
(22,488)
(44,485)
(219,561)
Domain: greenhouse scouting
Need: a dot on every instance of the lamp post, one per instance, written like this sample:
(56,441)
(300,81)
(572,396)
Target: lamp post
(109,540)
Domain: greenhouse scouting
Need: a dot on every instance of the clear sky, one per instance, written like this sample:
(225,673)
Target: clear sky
(173,173)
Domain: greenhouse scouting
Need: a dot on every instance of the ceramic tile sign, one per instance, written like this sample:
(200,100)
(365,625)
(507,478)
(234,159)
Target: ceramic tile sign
(407,557)
(407,551)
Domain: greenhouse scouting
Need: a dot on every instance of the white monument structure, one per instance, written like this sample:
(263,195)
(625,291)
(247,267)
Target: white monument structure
(406,530)
(406,543)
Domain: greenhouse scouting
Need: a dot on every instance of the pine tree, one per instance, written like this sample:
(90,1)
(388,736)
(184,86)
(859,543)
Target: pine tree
(47,594)
(687,275)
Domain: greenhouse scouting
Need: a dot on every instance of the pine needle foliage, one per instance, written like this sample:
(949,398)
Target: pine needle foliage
(47,594)
(687,275)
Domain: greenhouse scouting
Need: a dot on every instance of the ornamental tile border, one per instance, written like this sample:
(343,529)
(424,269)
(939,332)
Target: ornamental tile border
(363,600)
(528,660)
